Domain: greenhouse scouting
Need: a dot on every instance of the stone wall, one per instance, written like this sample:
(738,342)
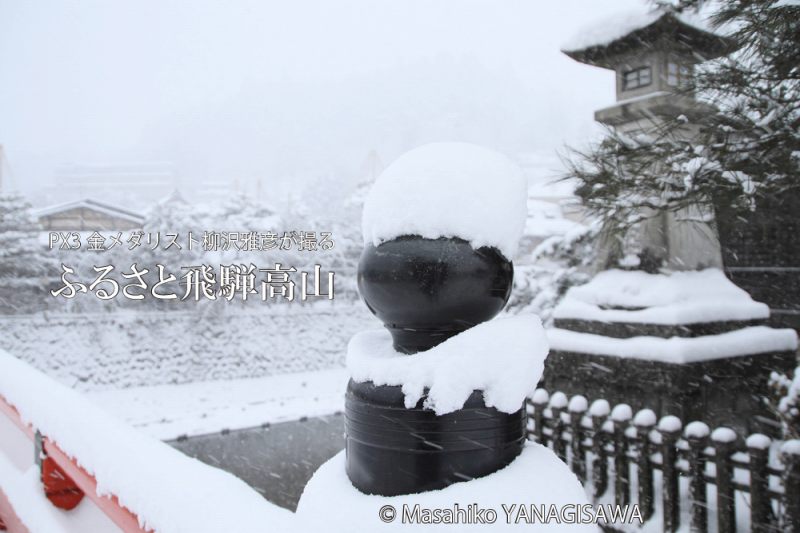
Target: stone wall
(127,349)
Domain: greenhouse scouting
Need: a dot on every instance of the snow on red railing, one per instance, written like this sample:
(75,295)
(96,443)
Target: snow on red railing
(140,483)
(64,482)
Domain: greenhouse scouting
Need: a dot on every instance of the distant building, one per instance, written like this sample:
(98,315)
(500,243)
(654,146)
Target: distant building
(553,208)
(135,185)
(87,215)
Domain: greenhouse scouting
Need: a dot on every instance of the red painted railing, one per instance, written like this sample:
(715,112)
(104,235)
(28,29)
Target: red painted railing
(64,482)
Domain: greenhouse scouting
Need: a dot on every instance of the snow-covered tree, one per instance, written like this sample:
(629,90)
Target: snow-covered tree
(172,216)
(26,269)
(559,263)
(746,156)
(785,401)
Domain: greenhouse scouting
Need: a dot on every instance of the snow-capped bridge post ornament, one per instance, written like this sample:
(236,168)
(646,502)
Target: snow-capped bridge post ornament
(435,417)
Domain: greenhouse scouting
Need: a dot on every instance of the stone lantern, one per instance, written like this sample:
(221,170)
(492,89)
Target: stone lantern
(653,62)
(685,341)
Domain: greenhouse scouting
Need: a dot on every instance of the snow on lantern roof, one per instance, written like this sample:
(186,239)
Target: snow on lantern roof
(677,298)
(449,189)
(686,32)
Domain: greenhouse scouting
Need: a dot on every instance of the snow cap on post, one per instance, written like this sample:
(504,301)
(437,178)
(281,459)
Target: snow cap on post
(558,400)
(669,424)
(758,441)
(621,413)
(449,190)
(696,430)
(540,397)
(791,448)
(723,434)
(578,404)
(644,418)
(600,408)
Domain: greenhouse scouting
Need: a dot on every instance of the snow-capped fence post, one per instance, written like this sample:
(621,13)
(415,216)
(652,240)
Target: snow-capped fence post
(771,507)
(621,417)
(558,403)
(577,408)
(539,402)
(697,436)
(599,414)
(645,421)
(669,427)
(761,516)
(790,454)
(723,440)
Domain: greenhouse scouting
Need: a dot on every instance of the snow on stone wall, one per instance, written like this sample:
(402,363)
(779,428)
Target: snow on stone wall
(128,349)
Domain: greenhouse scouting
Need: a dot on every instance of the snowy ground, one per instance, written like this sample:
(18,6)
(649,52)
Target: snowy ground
(170,411)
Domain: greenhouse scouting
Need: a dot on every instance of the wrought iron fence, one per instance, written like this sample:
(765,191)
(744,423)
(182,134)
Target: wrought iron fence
(639,459)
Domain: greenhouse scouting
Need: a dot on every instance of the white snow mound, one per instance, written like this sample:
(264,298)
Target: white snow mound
(449,190)
(536,477)
(668,299)
(503,357)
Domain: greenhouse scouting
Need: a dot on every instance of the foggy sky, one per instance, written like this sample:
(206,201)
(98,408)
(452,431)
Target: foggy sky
(287,91)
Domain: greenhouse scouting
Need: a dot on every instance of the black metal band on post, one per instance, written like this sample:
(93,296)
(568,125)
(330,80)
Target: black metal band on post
(415,450)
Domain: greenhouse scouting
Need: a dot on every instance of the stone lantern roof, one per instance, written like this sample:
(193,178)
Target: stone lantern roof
(681,33)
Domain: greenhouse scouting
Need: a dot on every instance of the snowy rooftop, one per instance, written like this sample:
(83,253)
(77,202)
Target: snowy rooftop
(546,219)
(668,299)
(94,205)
